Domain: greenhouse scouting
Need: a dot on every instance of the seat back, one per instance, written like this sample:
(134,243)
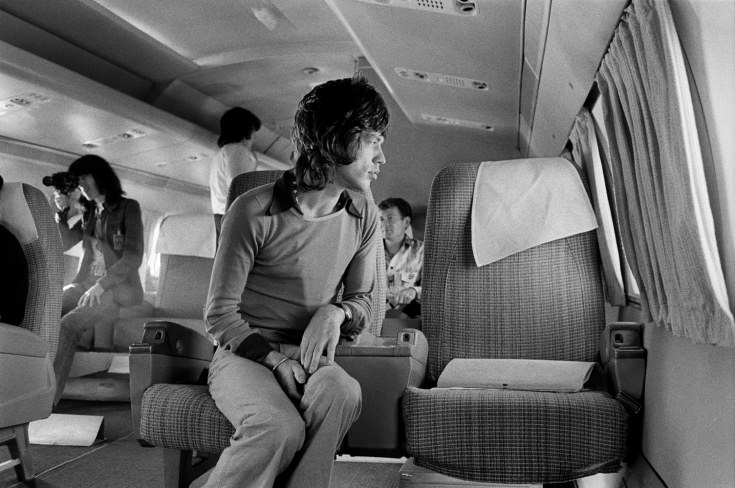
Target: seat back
(253,179)
(186,244)
(542,303)
(27,382)
(186,247)
(46,272)
(183,286)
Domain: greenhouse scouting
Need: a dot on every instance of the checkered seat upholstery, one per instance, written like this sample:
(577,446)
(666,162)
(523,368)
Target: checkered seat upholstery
(542,303)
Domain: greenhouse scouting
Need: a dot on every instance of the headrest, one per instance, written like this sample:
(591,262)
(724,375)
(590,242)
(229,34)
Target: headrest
(522,203)
(187,235)
(15,214)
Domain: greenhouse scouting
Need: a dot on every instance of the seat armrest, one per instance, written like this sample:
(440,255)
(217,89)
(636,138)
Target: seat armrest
(168,353)
(404,343)
(623,359)
(18,341)
(392,325)
(384,367)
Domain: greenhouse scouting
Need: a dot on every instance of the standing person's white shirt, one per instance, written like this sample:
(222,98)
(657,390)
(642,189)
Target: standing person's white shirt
(231,160)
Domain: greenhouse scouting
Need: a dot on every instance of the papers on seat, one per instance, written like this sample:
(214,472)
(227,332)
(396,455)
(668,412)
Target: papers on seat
(521,374)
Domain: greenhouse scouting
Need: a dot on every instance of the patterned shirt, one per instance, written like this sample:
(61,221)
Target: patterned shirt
(403,270)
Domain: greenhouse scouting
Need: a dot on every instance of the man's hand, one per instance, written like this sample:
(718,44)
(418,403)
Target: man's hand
(321,334)
(289,374)
(61,200)
(92,297)
(404,296)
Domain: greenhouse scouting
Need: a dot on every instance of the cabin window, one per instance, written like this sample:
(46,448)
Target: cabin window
(658,185)
(151,259)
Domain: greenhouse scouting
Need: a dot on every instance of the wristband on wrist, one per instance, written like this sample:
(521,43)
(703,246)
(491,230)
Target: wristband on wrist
(279,363)
(347,311)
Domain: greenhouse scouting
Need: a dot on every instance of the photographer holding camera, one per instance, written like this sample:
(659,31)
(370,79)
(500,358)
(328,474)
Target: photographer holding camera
(111,231)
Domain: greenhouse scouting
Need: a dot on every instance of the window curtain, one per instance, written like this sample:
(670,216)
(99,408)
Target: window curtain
(659,185)
(586,154)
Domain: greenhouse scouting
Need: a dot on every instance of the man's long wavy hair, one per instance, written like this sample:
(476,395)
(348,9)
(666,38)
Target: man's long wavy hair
(327,128)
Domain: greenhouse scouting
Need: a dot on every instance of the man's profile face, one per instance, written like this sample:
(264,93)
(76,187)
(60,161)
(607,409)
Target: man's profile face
(394,225)
(366,165)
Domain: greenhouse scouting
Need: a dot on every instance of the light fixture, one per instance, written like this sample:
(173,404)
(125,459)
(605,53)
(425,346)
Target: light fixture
(266,17)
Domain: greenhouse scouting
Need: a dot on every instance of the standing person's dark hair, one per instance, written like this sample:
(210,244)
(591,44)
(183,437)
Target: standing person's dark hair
(111,231)
(107,181)
(273,305)
(237,124)
(235,156)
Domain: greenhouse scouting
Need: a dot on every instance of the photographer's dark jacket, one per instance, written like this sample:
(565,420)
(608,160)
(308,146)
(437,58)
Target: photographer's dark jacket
(122,247)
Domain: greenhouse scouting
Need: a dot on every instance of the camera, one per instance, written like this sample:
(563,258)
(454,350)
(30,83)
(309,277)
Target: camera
(64,182)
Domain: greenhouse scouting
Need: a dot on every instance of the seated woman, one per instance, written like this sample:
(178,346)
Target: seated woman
(111,231)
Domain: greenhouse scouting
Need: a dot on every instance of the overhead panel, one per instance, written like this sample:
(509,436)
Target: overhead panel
(534,34)
(571,60)
(442,64)
(49,106)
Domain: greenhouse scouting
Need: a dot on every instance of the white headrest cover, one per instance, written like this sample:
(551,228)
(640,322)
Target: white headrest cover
(519,204)
(187,235)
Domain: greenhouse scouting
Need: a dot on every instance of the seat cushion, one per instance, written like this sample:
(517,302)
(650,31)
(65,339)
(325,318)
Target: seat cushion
(507,436)
(183,417)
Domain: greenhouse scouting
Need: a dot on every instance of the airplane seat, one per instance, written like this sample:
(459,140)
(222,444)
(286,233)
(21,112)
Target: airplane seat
(186,247)
(173,409)
(27,350)
(511,307)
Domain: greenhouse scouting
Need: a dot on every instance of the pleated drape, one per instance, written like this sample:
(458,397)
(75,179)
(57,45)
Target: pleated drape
(661,198)
(586,154)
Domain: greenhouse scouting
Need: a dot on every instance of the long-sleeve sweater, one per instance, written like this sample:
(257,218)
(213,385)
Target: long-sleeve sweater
(274,268)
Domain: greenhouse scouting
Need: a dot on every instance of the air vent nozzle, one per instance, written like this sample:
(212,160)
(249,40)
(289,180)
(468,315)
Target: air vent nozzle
(23,101)
(463,8)
(439,119)
(441,79)
(133,133)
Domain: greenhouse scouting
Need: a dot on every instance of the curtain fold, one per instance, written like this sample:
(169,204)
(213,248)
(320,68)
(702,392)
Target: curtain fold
(665,217)
(586,154)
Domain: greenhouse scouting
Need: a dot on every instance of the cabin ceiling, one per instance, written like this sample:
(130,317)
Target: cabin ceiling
(169,68)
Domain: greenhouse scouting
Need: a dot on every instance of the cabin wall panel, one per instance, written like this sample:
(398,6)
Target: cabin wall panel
(689,424)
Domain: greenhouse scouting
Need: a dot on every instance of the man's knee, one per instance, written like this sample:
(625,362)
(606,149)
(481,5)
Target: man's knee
(70,297)
(74,324)
(280,430)
(340,387)
(78,326)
